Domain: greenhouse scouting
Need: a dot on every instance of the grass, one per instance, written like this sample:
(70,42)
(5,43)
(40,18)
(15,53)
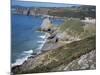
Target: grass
(76,28)
(65,55)
(89,30)
(72,27)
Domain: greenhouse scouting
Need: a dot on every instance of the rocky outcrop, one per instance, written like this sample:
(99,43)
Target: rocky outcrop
(46,24)
(85,62)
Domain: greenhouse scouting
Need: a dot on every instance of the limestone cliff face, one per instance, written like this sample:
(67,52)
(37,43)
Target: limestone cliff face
(46,24)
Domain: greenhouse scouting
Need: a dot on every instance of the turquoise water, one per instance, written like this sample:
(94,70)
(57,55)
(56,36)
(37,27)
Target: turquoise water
(25,39)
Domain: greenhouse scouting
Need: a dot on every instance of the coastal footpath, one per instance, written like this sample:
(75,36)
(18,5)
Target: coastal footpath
(70,46)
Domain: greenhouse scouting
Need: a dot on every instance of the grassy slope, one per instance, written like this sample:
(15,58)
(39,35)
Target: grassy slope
(72,27)
(78,29)
(65,54)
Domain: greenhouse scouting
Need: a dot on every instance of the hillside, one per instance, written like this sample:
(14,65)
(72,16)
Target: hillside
(77,29)
(74,50)
(47,61)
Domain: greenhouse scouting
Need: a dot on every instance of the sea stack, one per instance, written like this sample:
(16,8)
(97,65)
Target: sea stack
(46,24)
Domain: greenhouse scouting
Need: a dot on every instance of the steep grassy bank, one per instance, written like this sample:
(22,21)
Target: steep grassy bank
(72,27)
(47,61)
(77,29)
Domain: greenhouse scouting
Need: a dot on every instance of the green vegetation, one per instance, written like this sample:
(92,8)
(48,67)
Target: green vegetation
(87,11)
(78,12)
(66,13)
(89,30)
(76,28)
(72,27)
(65,54)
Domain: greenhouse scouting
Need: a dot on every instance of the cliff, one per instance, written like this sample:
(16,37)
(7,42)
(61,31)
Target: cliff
(71,46)
(48,61)
(77,12)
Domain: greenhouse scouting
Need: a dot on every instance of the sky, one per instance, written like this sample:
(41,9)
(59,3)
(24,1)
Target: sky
(39,4)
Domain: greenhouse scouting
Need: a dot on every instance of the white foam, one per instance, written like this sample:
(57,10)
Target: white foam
(43,36)
(40,41)
(29,51)
(40,47)
(42,44)
(25,55)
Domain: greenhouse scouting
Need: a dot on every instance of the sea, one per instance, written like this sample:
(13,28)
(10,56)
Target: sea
(25,39)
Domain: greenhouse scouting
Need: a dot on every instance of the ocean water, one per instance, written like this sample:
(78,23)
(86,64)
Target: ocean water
(25,39)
